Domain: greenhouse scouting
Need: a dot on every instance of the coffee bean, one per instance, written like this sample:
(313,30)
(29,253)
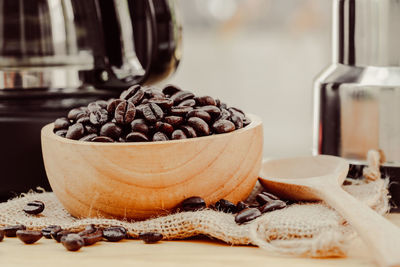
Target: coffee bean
(73,242)
(273,205)
(223,126)
(150,237)
(236,111)
(152,112)
(113,105)
(114,233)
(88,138)
(47,230)
(200,114)
(83,118)
(178,134)
(214,111)
(237,121)
(75,131)
(246,121)
(164,103)
(223,106)
(92,107)
(225,206)
(61,133)
(247,215)
(61,124)
(139,125)
(180,111)
(73,113)
(193,204)
(28,236)
(98,117)
(153,93)
(171,90)
(173,120)
(164,128)
(34,207)
(60,234)
(205,101)
(90,129)
(225,115)
(187,103)
(125,112)
(265,197)
(241,206)
(89,229)
(128,93)
(137,97)
(159,136)
(111,130)
(102,103)
(199,125)
(136,137)
(189,131)
(103,139)
(180,96)
(1,235)
(92,238)
(54,231)
(11,230)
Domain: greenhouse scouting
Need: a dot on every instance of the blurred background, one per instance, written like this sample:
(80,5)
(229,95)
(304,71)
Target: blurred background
(261,56)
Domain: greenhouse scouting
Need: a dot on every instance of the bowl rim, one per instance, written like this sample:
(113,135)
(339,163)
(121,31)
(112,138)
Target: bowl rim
(47,131)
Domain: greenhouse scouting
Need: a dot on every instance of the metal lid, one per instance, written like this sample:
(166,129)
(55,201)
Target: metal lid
(366,32)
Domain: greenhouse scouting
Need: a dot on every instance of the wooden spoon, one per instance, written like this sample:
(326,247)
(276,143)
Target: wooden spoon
(320,178)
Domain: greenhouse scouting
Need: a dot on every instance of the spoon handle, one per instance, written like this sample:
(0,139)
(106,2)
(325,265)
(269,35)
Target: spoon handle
(378,233)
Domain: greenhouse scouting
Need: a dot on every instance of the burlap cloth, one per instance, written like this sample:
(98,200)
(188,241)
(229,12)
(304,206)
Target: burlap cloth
(306,229)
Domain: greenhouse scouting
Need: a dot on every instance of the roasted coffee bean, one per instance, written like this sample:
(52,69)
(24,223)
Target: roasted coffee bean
(153,93)
(47,230)
(73,113)
(137,97)
(128,93)
(54,231)
(225,115)
(89,229)
(73,242)
(170,90)
(83,118)
(111,130)
(246,121)
(223,126)
(205,101)
(178,134)
(241,206)
(200,126)
(189,131)
(1,235)
(214,111)
(90,129)
(29,237)
(200,114)
(102,103)
(92,238)
(173,120)
(273,205)
(225,206)
(75,131)
(98,117)
(265,197)
(187,103)
(180,96)
(125,112)
(11,230)
(34,207)
(113,105)
(164,128)
(139,125)
(237,111)
(159,136)
(61,133)
(61,234)
(103,139)
(88,138)
(180,111)
(114,233)
(150,237)
(61,124)
(237,121)
(94,106)
(136,137)
(152,112)
(164,103)
(247,215)
(193,204)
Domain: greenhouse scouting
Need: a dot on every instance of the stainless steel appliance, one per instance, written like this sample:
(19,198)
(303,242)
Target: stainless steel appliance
(59,54)
(357,98)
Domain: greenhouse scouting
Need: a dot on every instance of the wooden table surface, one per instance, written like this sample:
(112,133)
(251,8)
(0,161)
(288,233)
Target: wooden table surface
(167,253)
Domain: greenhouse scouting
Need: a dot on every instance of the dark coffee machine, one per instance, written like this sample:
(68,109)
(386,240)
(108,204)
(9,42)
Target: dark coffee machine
(60,54)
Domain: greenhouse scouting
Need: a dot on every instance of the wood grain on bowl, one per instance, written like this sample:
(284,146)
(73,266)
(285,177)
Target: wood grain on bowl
(142,180)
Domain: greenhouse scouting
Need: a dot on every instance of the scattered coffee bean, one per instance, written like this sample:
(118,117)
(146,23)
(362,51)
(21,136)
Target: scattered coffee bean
(178,134)
(136,137)
(54,231)
(73,242)
(34,207)
(223,126)
(1,235)
(61,124)
(150,237)
(114,233)
(89,229)
(47,230)
(75,131)
(225,206)
(11,230)
(60,234)
(265,197)
(103,139)
(247,215)
(29,236)
(241,206)
(92,238)
(193,204)
(273,205)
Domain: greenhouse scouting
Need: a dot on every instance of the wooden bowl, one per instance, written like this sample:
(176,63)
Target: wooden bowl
(148,179)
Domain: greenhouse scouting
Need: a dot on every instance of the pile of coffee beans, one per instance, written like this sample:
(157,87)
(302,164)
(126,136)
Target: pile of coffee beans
(143,114)
(265,202)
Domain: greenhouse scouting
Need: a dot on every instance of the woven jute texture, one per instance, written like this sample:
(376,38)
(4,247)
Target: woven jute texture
(306,229)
